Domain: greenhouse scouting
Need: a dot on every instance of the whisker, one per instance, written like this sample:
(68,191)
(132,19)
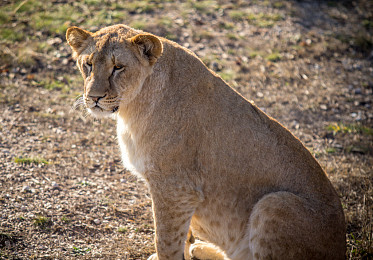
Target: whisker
(85,113)
(78,102)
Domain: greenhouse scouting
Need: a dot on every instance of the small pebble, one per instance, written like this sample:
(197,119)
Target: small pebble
(259,94)
(97,221)
(55,186)
(26,189)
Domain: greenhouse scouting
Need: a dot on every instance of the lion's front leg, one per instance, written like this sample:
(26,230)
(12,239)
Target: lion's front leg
(172,214)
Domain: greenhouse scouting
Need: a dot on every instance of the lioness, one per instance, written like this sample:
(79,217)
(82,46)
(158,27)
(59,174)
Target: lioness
(217,167)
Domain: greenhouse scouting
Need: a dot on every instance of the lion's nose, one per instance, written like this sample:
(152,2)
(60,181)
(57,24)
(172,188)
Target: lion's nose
(95,98)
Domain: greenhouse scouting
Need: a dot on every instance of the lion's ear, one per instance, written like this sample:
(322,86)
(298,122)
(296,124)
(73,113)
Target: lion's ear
(77,39)
(149,46)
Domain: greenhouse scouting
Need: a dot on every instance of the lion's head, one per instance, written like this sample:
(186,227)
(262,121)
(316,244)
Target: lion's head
(114,63)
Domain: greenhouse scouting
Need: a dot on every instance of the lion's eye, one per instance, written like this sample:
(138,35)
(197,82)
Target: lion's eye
(88,66)
(118,67)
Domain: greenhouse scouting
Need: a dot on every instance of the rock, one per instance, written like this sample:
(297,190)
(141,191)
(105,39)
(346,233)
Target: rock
(216,66)
(26,189)
(259,94)
(54,41)
(295,124)
(97,221)
(55,186)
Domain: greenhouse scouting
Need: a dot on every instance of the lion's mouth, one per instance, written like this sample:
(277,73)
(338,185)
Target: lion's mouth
(97,107)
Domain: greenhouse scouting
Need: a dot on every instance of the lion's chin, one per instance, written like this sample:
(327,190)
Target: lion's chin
(101,113)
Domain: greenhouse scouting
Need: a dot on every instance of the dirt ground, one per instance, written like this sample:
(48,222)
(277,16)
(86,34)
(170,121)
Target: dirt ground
(64,193)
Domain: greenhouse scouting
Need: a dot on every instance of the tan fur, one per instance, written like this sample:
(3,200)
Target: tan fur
(213,161)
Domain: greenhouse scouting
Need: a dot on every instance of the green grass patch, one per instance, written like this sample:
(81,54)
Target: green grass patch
(358,148)
(42,222)
(238,15)
(53,84)
(44,47)
(360,247)
(4,17)
(41,16)
(140,7)
(330,150)
(166,22)
(363,42)
(171,36)
(21,7)
(122,230)
(278,5)
(21,160)
(84,183)
(366,23)
(264,20)
(55,19)
(253,54)
(227,25)
(275,56)
(207,7)
(138,24)
(232,36)
(92,2)
(209,58)
(102,18)
(80,251)
(227,75)
(11,35)
(313,152)
(259,19)
(337,128)
(360,41)
(202,34)
(65,219)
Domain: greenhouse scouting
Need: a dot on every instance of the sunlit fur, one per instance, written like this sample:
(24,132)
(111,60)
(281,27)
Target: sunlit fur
(215,164)
(98,56)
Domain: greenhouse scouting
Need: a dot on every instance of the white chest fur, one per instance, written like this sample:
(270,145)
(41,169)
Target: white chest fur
(133,160)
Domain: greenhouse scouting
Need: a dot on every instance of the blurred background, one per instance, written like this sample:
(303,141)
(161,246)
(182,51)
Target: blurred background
(63,191)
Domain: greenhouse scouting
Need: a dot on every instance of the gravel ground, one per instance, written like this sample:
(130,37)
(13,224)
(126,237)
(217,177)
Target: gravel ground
(63,191)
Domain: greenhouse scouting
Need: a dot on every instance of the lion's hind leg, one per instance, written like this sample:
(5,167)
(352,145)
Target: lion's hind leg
(283,225)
